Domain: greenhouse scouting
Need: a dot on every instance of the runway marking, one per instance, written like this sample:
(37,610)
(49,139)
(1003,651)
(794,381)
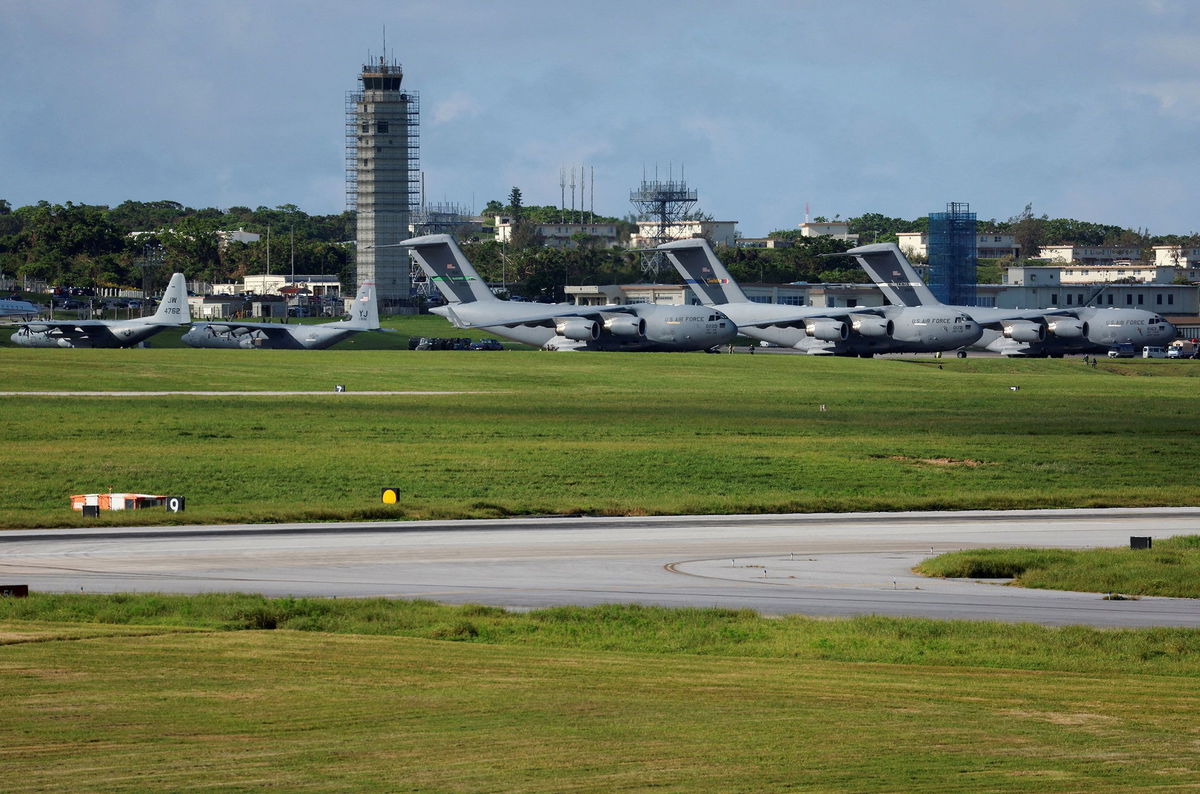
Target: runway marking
(233,393)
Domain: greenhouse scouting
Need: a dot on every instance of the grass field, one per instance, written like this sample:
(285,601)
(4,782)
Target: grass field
(147,693)
(599,434)
(1171,568)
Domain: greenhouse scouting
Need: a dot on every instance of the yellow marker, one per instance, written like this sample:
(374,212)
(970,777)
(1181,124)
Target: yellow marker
(391,496)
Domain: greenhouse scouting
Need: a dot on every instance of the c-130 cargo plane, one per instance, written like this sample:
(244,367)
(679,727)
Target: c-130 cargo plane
(173,311)
(1019,332)
(562,326)
(363,317)
(854,330)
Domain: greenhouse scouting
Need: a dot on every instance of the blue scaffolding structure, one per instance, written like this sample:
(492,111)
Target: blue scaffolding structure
(952,254)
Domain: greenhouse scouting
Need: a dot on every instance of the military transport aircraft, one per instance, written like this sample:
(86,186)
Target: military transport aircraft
(15,308)
(363,317)
(562,326)
(857,330)
(173,311)
(1019,332)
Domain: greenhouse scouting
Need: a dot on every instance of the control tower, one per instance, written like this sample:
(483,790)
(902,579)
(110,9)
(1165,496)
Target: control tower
(383,176)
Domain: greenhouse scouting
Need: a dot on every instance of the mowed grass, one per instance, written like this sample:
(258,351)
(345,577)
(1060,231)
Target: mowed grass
(376,695)
(587,433)
(1171,568)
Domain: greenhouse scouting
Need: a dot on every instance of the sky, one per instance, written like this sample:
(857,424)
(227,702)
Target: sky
(1087,109)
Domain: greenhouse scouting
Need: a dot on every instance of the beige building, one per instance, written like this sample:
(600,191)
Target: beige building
(1090,254)
(839,230)
(987,246)
(1185,259)
(719,232)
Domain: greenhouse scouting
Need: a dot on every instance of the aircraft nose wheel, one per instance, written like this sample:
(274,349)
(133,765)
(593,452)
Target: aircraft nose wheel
(961,354)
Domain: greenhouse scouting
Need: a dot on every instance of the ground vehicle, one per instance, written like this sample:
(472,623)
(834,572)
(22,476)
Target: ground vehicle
(1182,348)
(487,344)
(1153,351)
(1122,350)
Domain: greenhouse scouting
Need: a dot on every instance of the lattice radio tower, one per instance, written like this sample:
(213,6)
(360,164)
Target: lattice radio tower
(661,209)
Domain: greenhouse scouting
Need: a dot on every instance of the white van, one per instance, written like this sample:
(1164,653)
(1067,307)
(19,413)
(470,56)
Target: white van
(1154,351)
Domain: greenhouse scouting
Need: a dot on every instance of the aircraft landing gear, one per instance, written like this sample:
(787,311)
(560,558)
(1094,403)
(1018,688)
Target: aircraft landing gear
(961,354)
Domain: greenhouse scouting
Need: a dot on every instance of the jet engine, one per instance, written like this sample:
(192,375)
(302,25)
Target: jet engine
(827,330)
(577,328)
(872,326)
(1069,328)
(625,325)
(1025,331)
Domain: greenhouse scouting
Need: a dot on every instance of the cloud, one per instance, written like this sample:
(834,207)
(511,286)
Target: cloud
(458,105)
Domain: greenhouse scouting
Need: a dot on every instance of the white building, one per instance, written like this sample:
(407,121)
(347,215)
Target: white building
(987,246)
(1090,254)
(281,285)
(563,235)
(1185,259)
(719,232)
(839,230)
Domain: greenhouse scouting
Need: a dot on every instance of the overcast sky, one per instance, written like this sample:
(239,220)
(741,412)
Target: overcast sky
(1086,108)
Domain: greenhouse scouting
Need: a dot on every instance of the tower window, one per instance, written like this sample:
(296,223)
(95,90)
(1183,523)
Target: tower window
(366,126)
(381,126)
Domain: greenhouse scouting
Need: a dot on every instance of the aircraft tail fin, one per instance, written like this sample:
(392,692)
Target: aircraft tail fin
(891,271)
(703,272)
(364,315)
(174,310)
(447,267)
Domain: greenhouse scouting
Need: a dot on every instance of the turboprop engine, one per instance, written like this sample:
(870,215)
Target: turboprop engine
(578,328)
(1068,328)
(827,330)
(1025,331)
(626,326)
(872,326)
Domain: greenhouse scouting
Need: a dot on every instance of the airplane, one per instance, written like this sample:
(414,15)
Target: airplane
(562,326)
(172,312)
(15,308)
(1019,332)
(248,335)
(858,330)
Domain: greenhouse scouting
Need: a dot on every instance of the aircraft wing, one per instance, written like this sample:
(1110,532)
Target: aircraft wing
(70,329)
(269,330)
(546,318)
(994,318)
(801,317)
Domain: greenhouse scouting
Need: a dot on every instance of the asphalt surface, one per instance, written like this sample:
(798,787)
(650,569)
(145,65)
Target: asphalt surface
(822,564)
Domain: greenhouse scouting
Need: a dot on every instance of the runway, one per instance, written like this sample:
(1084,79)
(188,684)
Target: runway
(813,564)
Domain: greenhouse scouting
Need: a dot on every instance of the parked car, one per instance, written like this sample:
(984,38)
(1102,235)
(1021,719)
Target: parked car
(487,344)
(1123,350)
(1154,351)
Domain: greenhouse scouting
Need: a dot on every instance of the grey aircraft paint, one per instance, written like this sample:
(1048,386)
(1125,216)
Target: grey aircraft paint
(562,326)
(172,311)
(858,330)
(1019,332)
(248,336)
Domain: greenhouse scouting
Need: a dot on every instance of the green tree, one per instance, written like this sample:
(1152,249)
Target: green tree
(1028,231)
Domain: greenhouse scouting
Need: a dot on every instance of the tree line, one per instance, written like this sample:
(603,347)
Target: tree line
(79,245)
(91,245)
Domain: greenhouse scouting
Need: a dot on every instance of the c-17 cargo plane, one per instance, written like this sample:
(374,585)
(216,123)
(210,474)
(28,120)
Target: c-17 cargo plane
(1019,332)
(173,311)
(855,330)
(248,335)
(562,326)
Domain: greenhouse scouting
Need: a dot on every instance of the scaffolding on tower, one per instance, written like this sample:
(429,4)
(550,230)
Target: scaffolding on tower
(952,252)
